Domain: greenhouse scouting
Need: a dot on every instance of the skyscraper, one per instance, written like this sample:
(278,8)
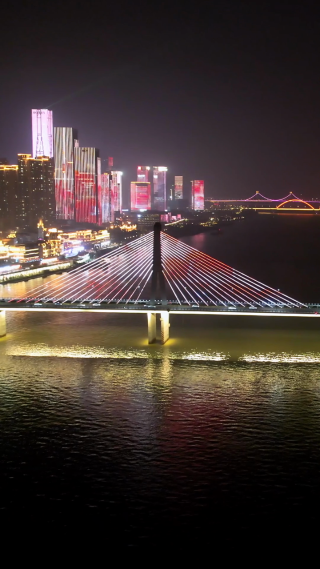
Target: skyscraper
(64,139)
(106,200)
(35,190)
(42,133)
(140,196)
(197,194)
(143,173)
(85,176)
(116,188)
(178,187)
(160,188)
(8,192)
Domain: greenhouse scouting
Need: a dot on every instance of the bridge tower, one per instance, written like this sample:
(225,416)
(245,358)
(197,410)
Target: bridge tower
(158,291)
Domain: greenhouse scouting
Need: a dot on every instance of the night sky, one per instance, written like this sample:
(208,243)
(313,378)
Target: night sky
(231,95)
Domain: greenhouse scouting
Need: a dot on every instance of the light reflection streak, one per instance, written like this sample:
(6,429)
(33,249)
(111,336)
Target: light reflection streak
(43,350)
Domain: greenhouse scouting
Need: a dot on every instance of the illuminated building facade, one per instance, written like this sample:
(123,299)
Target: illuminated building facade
(140,196)
(178,187)
(160,188)
(116,188)
(107,205)
(35,190)
(143,173)
(197,194)
(64,138)
(64,172)
(99,213)
(85,180)
(42,133)
(8,192)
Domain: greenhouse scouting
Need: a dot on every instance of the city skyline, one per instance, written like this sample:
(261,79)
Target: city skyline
(238,108)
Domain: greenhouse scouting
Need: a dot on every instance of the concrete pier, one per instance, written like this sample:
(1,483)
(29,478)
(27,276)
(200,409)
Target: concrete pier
(3,328)
(164,318)
(152,327)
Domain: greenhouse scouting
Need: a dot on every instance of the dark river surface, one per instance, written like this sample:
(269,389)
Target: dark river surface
(212,438)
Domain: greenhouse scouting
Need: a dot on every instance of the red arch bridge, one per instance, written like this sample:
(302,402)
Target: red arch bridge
(157,274)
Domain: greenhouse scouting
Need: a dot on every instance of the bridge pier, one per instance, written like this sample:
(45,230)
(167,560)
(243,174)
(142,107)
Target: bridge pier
(164,319)
(152,327)
(3,328)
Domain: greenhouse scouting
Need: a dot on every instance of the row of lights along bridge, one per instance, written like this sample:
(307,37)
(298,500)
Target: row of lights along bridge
(65,182)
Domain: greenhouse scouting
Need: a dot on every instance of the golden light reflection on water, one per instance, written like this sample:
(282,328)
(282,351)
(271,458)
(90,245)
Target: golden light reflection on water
(80,351)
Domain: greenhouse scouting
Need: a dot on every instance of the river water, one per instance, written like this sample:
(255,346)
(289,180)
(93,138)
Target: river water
(213,437)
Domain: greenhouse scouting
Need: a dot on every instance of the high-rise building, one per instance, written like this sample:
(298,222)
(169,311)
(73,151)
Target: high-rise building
(107,205)
(160,188)
(143,173)
(178,187)
(140,196)
(85,177)
(42,133)
(99,181)
(116,188)
(197,194)
(8,193)
(64,140)
(35,190)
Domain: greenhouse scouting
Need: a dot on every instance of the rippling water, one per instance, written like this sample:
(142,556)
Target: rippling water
(212,437)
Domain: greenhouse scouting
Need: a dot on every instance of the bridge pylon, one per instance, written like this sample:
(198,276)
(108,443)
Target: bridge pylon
(158,286)
(158,291)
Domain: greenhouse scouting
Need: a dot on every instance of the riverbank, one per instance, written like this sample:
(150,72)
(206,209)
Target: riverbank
(26,274)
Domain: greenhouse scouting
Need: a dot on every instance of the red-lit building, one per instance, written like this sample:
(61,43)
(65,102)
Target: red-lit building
(197,194)
(143,173)
(140,196)
(64,142)
(86,184)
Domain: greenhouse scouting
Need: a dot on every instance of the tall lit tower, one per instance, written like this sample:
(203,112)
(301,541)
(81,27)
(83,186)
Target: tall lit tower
(178,187)
(42,133)
(143,173)
(85,178)
(106,200)
(116,188)
(160,188)
(197,194)
(64,142)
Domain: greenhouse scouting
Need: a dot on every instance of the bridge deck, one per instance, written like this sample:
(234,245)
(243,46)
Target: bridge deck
(158,309)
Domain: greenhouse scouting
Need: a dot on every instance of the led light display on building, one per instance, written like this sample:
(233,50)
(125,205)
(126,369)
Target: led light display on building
(64,172)
(116,188)
(140,196)
(197,194)
(107,205)
(178,187)
(160,188)
(99,190)
(143,173)
(85,176)
(42,133)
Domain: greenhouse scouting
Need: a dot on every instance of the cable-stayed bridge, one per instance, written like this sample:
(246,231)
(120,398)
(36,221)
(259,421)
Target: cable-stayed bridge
(153,274)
